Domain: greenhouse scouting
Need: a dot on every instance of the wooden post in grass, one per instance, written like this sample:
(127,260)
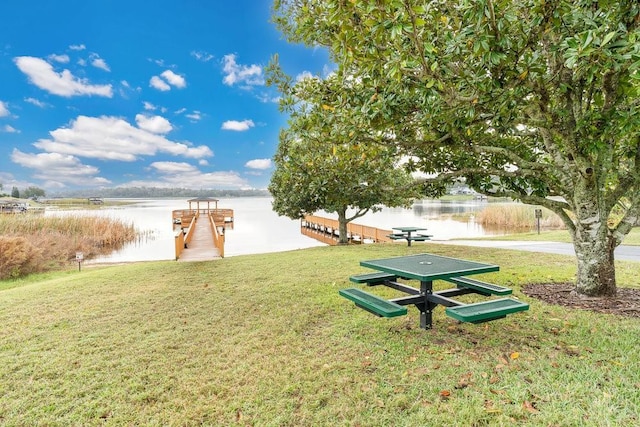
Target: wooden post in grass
(79,258)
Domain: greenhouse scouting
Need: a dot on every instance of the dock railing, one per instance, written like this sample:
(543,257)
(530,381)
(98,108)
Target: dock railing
(179,243)
(327,230)
(183,239)
(218,238)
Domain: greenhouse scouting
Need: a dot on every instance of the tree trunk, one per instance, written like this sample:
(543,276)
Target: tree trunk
(596,271)
(342,227)
(593,242)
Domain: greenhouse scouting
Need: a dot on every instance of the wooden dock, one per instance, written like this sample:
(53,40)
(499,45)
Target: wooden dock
(326,231)
(201,247)
(200,231)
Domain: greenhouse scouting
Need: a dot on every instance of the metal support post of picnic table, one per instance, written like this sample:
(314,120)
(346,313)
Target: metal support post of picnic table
(426,308)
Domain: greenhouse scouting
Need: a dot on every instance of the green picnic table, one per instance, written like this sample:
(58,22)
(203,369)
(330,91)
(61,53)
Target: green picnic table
(426,268)
(406,233)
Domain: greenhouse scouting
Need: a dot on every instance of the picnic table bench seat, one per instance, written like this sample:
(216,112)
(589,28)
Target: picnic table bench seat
(372,279)
(420,237)
(481,287)
(373,303)
(416,238)
(397,236)
(486,310)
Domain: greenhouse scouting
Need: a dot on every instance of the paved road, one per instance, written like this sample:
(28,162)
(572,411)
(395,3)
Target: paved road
(627,253)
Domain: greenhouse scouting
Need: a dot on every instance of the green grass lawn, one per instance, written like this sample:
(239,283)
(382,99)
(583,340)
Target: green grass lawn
(266,340)
(633,238)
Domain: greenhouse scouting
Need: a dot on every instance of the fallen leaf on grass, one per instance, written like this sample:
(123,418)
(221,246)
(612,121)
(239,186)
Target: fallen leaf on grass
(572,350)
(465,381)
(445,394)
(490,409)
(462,384)
(528,406)
(514,355)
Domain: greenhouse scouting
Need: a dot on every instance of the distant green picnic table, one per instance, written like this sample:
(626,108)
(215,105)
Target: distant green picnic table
(406,233)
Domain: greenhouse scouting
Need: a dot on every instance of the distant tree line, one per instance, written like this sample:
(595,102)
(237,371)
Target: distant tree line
(157,192)
(27,193)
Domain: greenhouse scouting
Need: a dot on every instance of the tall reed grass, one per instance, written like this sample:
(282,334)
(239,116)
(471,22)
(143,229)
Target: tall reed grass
(517,217)
(34,243)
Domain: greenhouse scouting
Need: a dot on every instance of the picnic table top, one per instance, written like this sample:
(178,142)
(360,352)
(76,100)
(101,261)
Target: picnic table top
(407,229)
(428,267)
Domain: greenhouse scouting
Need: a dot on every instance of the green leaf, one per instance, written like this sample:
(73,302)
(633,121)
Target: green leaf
(587,40)
(608,38)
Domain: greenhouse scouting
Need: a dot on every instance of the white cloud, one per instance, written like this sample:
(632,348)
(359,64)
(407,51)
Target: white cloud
(42,74)
(100,63)
(149,106)
(167,79)
(63,59)
(77,47)
(174,79)
(153,124)
(267,98)
(202,56)
(173,167)
(250,75)
(195,116)
(159,62)
(112,138)
(10,129)
(304,75)
(4,110)
(181,174)
(36,102)
(58,167)
(158,83)
(261,164)
(237,126)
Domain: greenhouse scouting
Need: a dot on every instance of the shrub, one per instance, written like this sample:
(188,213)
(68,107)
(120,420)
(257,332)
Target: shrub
(18,257)
(514,216)
(31,243)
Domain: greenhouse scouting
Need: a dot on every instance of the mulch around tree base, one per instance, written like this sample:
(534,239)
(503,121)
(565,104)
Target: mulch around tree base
(625,303)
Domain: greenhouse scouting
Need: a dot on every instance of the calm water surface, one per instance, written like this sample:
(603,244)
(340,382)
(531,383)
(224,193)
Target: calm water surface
(257,229)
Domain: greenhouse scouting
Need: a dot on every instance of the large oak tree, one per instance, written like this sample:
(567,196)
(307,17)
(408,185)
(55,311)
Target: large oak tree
(537,100)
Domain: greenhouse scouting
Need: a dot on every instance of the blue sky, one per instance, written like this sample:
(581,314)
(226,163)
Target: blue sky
(106,93)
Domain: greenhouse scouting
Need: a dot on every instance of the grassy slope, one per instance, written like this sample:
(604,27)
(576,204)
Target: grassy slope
(266,340)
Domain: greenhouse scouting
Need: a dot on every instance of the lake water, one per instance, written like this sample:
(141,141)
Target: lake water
(257,229)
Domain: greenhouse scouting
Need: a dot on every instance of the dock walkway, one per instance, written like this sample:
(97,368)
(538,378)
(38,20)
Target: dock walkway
(201,247)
